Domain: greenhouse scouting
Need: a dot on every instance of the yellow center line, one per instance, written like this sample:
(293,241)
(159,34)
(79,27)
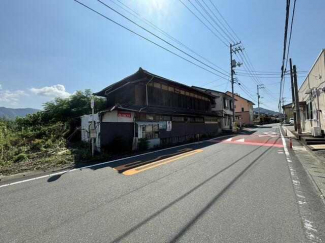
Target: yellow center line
(160,162)
(140,162)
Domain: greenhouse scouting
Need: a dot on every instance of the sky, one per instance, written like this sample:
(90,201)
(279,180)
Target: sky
(53,48)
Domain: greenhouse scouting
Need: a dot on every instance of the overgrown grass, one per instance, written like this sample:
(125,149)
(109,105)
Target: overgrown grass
(37,148)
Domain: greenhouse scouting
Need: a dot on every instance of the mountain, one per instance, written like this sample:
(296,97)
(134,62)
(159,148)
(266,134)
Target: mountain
(11,113)
(266,111)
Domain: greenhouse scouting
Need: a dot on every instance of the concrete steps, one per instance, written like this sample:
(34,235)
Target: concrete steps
(314,143)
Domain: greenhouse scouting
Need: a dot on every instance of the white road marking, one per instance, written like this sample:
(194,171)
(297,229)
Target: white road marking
(310,230)
(272,136)
(240,140)
(229,139)
(103,163)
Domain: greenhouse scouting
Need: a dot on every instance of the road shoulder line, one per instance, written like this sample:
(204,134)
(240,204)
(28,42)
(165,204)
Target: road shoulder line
(105,163)
(310,229)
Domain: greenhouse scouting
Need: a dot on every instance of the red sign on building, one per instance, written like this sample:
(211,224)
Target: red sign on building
(124,114)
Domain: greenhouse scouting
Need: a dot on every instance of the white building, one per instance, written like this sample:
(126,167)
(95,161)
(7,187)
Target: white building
(312,96)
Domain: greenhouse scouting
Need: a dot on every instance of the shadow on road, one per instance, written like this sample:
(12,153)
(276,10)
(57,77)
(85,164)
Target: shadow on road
(126,163)
(192,222)
(54,177)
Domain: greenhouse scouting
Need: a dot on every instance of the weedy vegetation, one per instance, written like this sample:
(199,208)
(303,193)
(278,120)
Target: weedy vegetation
(44,140)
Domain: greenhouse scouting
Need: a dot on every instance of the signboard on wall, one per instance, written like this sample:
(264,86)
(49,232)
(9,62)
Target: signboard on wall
(169,126)
(124,114)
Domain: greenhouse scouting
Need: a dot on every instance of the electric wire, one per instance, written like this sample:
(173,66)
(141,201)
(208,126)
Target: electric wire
(145,38)
(158,37)
(190,10)
(143,20)
(213,19)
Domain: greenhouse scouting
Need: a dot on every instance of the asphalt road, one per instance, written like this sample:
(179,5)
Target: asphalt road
(231,189)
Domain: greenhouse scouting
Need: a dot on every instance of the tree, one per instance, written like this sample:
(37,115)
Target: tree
(75,106)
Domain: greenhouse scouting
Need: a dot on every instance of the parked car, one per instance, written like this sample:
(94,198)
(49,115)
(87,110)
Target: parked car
(291,121)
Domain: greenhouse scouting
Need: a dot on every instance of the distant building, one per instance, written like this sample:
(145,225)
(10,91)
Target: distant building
(223,105)
(144,105)
(312,96)
(243,110)
(288,112)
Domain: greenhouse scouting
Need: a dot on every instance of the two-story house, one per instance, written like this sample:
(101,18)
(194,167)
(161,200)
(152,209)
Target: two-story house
(223,106)
(243,110)
(145,105)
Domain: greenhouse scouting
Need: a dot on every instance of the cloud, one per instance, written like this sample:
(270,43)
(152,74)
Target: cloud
(13,97)
(57,90)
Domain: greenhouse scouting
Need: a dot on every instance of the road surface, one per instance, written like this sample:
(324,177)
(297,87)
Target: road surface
(231,189)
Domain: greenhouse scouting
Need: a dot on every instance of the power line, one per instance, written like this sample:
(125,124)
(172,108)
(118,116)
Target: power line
(250,68)
(208,21)
(284,49)
(249,65)
(292,18)
(141,36)
(213,19)
(137,16)
(254,78)
(288,51)
(246,92)
(203,23)
(219,84)
(245,59)
(215,7)
(270,72)
(158,37)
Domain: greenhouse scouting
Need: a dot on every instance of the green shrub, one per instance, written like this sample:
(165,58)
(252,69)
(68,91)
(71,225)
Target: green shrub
(48,144)
(20,158)
(143,144)
(37,144)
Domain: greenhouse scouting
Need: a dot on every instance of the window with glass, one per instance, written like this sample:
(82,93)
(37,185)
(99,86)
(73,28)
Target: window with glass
(150,131)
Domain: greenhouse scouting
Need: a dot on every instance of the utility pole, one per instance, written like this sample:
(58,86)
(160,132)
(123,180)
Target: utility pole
(233,64)
(284,114)
(293,95)
(92,126)
(232,85)
(259,86)
(296,99)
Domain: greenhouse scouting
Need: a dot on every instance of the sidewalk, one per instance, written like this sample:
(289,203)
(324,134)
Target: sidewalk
(312,161)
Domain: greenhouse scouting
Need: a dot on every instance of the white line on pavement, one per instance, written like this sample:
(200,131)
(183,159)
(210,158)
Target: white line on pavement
(310,230)
(104,163)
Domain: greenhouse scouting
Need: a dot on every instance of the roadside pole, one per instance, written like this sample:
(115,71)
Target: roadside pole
(233,64)
(92,127)
(232,87)
(258,103)
(259,86)
(296,99)
(293,95)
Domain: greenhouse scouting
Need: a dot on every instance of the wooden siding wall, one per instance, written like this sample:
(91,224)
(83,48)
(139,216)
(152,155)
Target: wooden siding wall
(125,95)
(167,96)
